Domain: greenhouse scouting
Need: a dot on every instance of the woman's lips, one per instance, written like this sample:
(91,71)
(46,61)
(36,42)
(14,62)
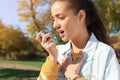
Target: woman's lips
(61,34)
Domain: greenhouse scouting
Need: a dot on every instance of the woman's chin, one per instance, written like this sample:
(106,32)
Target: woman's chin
(65,40)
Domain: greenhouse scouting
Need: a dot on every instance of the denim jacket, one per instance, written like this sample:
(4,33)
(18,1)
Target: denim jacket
(100,60)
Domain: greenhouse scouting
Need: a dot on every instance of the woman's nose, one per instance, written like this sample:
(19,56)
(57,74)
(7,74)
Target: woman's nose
(56,25)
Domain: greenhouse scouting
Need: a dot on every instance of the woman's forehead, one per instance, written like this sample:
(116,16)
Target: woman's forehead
(60,7)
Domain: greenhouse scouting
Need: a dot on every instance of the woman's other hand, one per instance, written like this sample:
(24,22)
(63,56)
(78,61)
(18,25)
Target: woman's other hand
(71,70)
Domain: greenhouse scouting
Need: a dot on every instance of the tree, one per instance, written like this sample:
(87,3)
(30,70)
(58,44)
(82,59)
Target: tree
(38,19)
(12,40)
(116,44)
(29,11)
(1,24)
(110,13)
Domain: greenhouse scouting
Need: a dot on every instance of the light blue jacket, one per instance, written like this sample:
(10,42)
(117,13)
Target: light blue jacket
(100,60)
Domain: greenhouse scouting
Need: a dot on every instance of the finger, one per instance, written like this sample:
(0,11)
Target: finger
(64,63)
(46,38)
(38,37)
(64,58)
(68,60)
(50,43)
(81,59)
(42,34)
(63,67)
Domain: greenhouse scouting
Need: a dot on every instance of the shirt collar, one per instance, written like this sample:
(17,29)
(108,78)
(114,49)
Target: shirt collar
(89,50)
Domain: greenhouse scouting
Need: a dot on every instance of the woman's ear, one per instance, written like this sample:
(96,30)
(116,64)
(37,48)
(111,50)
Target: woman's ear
(82,15)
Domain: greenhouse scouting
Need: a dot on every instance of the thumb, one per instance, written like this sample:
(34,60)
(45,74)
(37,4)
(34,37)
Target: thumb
(80,60)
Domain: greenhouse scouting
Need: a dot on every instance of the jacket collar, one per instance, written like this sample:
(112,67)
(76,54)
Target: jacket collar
(89,50)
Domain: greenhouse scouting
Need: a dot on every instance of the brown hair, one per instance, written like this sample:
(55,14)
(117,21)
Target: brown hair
(93,20)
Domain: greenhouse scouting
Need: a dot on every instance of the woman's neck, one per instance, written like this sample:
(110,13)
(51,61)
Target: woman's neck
(78,44)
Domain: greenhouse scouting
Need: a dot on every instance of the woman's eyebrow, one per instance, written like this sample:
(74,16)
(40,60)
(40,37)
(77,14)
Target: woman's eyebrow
(58,14)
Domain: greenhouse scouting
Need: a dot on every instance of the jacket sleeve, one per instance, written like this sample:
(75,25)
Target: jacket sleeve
(112,68)
(49,71)
(81,78)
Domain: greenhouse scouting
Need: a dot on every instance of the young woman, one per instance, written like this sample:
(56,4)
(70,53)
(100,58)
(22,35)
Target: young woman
(87,55)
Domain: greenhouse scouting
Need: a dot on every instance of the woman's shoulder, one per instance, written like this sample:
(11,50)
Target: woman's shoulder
(104,46)
(105,49)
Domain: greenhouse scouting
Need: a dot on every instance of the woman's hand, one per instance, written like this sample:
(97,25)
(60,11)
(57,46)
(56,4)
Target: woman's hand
(49,45)
(71,70)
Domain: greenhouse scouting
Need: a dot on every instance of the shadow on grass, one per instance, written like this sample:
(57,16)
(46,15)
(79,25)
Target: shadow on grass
(16,73)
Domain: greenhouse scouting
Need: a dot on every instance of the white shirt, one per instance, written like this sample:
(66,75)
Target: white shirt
(100,60)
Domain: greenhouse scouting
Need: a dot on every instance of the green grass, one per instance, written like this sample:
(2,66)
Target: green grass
(16,74)
(37,63)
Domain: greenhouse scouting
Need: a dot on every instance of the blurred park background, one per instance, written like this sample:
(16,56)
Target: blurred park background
(21,56)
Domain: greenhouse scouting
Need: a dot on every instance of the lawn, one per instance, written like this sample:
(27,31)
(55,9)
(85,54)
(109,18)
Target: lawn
(16,74)
(19,74)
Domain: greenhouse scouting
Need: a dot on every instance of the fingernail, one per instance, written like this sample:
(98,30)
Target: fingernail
(42,34)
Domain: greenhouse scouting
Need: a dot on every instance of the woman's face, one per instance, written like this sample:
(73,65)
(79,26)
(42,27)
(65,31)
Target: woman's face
(66,22)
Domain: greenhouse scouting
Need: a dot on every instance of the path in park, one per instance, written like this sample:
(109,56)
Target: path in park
(18,66)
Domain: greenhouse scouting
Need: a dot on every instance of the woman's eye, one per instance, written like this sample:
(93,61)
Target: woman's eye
(52,18)
(61,17)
